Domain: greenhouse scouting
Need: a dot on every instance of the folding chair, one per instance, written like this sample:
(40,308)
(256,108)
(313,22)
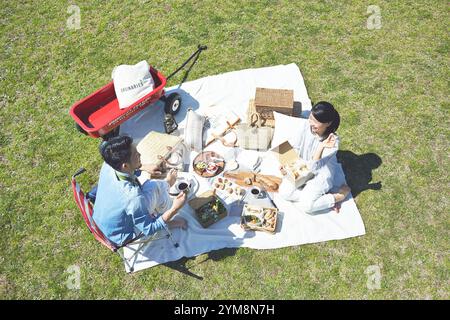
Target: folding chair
(85,204)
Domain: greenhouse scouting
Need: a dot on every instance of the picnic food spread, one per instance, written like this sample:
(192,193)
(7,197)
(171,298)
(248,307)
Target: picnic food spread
(298,169)
(233,186)
(212,168)
(211,210)
(208,164)
(247,178)
(259,218)
(228,186)
(201,166)
(208,208)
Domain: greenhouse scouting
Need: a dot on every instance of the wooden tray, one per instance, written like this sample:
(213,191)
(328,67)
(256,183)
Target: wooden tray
(267,226)
(207,156)
(201,200)
(267,182)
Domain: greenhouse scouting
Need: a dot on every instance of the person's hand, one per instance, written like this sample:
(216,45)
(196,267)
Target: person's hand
(152,169)
(330,141)
(179,201)
(172,177)
(282,170)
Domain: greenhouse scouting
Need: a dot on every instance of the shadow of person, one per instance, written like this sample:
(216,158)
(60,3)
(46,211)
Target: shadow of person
(215,255)
(358,170)
(181,266)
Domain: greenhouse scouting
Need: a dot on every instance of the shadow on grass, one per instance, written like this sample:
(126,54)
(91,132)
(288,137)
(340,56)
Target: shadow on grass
(216,255)
(358,170)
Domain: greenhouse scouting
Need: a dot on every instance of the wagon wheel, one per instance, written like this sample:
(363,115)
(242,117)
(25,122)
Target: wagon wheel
(80,129)
(172,103)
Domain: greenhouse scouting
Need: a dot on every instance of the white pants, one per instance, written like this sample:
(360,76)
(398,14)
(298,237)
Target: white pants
(157,194)
(312,197)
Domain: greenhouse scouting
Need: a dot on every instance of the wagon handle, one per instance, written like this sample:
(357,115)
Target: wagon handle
(200,48)
(79,171)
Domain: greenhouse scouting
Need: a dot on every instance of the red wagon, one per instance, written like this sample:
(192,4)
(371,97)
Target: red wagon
(99,115)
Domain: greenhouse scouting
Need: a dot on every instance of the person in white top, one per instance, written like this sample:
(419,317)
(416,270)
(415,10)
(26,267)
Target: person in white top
(318,145)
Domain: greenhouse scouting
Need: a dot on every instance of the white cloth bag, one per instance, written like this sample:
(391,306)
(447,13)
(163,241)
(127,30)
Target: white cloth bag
(193,131)
(132,82)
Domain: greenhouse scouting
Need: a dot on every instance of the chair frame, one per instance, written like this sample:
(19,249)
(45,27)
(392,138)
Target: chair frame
(85,204)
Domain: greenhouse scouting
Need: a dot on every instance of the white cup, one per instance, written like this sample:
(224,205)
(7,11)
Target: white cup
(256,192)
(183,186)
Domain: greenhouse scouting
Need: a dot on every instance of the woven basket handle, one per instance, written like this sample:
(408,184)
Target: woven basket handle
(257,122)
(165,161)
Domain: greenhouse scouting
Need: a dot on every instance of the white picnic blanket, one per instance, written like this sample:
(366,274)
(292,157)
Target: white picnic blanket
(211,96)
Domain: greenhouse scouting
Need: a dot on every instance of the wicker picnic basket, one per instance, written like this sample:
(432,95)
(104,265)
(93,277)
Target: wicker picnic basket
(269,100)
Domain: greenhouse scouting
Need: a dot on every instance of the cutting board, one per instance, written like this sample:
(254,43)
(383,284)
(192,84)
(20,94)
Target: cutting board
(269,183)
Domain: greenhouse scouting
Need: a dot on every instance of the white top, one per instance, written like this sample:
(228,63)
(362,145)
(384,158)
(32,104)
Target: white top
(307,146)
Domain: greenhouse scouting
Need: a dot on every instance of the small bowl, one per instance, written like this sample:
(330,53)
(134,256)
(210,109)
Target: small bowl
(212,168)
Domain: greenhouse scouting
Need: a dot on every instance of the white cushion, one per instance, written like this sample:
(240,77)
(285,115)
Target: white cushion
(287,128)
(193,131)
(132,82)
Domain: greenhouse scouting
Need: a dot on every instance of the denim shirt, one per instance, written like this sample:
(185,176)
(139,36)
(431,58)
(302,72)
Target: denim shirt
(121,208)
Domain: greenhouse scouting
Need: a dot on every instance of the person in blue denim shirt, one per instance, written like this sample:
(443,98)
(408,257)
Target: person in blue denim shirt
(123,207)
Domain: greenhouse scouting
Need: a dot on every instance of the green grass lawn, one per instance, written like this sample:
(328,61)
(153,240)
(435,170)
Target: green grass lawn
(390,85)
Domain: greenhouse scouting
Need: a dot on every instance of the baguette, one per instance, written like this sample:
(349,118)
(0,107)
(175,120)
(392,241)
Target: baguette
(267,183)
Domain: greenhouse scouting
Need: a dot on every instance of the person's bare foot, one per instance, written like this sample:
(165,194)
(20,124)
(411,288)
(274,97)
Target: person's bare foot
(344,190)
(172,177)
